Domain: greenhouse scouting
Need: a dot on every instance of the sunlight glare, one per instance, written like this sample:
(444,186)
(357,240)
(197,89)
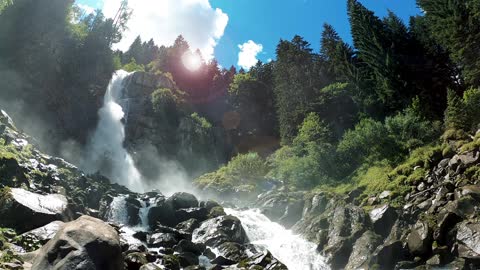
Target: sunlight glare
(191,61)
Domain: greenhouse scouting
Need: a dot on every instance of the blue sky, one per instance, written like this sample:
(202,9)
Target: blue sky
(267,21)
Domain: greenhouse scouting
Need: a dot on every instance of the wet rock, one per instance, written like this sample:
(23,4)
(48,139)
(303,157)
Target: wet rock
(264,260)
(274,206)
(232,251)
(198,213)
(171,262)
(420,239)
(435,260)
(292,214)
(187,259)
(150,266)
(362,251)
(446,222)
(218,230)
(86,243)
(24,210)
(187,246)
(383,218)
(166,240)
(162,213)
(216,211)
(188,225)
(181,200)
(209,204)
(133,207)
(135,260)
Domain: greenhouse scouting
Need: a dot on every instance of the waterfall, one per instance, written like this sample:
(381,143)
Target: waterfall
(118,210)
(105,151)
(290,249)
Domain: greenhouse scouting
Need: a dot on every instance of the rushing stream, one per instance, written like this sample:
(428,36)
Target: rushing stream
(295,252)
(106,145)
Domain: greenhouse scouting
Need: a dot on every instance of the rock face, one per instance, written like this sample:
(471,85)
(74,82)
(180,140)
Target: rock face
(86,243)
(24,210)
(147,134)
(218,230)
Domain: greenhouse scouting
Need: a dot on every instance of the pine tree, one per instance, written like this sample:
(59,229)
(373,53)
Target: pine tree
(455,24)
(456,114)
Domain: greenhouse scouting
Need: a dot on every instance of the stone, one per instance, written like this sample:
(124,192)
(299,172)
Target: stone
(135,260)
(385,194)
(468,240)
(162,213)
(188,225)
(420,239)
(388,255)
(45,233)
(362,251)
(293,213)
(218,230)
(187,259)
(25,210)
(86,243)
(150,266)
(383,218)
(165,240)
(232,251)
(187,246)
(182,200)
(198,213)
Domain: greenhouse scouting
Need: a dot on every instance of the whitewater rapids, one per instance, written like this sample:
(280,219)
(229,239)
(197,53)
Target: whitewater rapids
(292,250)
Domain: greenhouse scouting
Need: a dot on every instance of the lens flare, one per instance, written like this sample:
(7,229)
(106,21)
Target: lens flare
(191,61)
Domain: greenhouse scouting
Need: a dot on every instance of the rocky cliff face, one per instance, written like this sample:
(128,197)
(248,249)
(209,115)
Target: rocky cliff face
(149,137)
(437,226)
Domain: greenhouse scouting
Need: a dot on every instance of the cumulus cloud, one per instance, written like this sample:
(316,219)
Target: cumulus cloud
(247,57)
(88,9)
(163,20)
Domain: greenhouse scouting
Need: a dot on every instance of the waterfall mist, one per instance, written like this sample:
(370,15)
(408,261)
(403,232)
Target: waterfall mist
(105,152)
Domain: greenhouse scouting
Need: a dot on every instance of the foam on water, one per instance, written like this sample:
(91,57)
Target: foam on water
(292,250)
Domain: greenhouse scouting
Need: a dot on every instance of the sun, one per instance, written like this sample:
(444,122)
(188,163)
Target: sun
(191,61)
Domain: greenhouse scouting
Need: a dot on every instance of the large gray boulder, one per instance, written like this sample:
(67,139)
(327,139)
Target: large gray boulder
(24,210)
(216,231)
(84,244)
(468,240)
(362,251)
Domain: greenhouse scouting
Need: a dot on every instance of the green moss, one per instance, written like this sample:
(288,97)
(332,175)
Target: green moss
(416,176)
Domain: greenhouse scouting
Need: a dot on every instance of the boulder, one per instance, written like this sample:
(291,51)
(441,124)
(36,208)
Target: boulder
(218,230)
(182,200)
(420,239)
(293,213)
(162,213)
(188,225)
(232,251)
(198,213)
(389,254)
(383,218)
(86,243)
(165,240)
(25,210)
(362,251)
(468,240)
(45,233)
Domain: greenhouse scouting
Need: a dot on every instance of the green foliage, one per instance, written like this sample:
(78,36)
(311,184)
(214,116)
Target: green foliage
(455,25)
(456,114)
(368,142)
(471,100)
(310,160)
(133,66)
(244,172)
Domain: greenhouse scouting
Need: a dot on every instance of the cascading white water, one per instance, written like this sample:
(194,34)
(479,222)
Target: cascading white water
(105,150)
(292,250)
(118,210)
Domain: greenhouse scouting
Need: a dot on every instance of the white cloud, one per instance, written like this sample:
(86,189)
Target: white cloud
(88,9)
(247,57)
(163,20)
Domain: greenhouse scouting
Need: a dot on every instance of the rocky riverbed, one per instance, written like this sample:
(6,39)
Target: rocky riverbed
(56,217)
